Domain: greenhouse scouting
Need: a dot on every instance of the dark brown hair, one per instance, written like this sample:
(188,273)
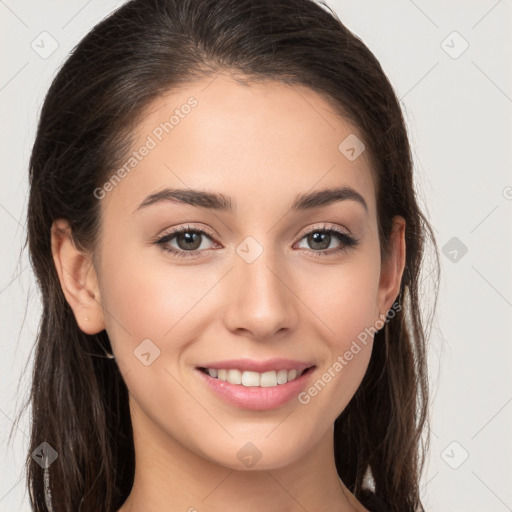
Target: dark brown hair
(142,50)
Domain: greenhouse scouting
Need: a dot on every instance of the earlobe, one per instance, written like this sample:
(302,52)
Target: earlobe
(393,267)
(78,279)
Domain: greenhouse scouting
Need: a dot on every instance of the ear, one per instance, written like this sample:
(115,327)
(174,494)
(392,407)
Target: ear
(78,279)
(392,267)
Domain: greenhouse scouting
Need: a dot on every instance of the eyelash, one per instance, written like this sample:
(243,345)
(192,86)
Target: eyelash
(346,240)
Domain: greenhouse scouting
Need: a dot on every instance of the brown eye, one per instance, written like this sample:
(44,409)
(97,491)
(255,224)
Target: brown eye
(188,240)
(319,241)
(185,241)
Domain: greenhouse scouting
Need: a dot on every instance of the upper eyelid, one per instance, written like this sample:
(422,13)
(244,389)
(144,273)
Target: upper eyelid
(184,229)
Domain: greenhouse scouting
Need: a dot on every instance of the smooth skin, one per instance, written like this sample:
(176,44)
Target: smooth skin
(261,145)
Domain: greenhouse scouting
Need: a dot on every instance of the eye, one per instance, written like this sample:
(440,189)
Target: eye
(189,241)
(320,240)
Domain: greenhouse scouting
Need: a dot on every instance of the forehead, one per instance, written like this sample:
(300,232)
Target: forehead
(220,134)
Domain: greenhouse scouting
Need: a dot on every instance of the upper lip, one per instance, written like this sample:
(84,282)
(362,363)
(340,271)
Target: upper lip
(252,365)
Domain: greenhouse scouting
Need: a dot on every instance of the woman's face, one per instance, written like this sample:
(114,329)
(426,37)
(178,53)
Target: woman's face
(266,281)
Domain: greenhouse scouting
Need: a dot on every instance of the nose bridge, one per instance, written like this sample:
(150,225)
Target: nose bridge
(261,301)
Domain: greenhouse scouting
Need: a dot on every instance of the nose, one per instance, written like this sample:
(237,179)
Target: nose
(261,302)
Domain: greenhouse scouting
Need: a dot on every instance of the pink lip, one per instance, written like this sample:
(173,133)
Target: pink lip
(250,365)
(256,398)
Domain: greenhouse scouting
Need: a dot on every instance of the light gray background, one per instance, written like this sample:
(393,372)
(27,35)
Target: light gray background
(459,113)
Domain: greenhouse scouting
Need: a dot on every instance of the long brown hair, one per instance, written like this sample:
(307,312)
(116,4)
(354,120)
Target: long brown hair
(148,47)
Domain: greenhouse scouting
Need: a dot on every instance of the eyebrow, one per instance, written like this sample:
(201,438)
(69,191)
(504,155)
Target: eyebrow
(220,202)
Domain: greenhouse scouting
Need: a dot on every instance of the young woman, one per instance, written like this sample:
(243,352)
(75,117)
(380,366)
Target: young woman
(224,228)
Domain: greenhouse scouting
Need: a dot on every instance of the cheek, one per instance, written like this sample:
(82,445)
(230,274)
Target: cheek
(343,302)
(143,300)
(344,299)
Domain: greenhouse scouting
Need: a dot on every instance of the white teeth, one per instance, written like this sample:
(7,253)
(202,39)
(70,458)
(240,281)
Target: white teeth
(282,376)
(250,379)
(254,379)
(268,379)
(235,376)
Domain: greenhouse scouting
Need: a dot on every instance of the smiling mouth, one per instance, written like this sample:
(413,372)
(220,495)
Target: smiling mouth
(255,379)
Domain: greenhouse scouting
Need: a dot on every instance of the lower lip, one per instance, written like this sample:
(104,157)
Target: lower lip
(254,397)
